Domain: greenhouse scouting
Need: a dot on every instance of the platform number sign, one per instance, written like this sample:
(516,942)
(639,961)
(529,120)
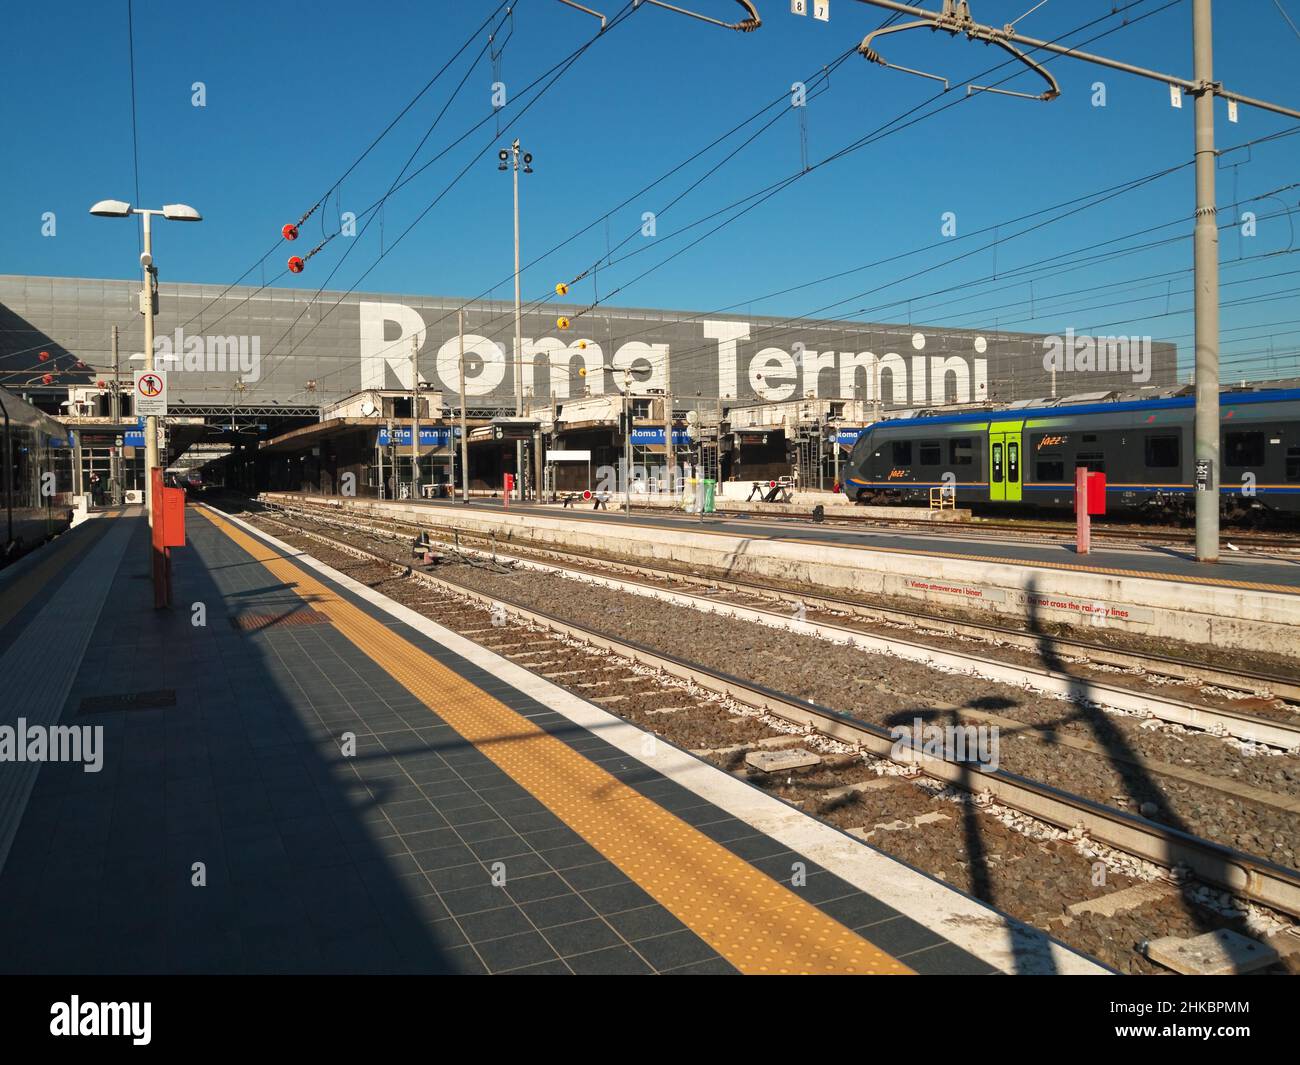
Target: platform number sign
(821,9)
(798,7)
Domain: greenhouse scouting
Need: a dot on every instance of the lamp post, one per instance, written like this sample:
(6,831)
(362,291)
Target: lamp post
(509,159)
(627,437)
(176,212)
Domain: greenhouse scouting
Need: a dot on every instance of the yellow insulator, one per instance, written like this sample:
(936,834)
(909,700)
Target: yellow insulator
(561,289)
(562,322)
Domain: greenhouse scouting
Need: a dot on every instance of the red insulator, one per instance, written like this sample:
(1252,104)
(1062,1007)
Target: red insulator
(45,356)
(101,384)
(296,265)
(47,379)
(289,232)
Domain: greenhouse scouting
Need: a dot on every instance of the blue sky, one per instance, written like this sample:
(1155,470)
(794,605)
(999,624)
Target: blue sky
(295,93)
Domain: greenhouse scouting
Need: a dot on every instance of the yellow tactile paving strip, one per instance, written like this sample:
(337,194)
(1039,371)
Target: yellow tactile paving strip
(757,924)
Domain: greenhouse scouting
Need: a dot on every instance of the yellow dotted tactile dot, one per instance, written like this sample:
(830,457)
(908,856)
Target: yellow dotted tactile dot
(757,924)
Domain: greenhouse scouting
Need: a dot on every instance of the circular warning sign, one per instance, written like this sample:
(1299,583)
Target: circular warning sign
(150,384)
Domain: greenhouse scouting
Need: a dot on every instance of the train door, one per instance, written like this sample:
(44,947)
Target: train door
(997,466)
(1005,462)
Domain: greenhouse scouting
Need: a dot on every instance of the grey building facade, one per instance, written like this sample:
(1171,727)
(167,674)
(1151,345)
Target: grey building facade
(283,348)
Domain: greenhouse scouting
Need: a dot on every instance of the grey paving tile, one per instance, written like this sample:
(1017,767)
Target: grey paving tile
(581,937)
(612,961)
(494,924)
(645,921)
(900,935)
(562,909)
(546,968)
(513,952)
(711,967)
(859,911)
(475,899)
(946,959)
(674,949)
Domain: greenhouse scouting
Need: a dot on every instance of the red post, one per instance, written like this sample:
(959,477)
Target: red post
(509,486)
(1096,492)
(168,532)
(162,577)
(1083,523)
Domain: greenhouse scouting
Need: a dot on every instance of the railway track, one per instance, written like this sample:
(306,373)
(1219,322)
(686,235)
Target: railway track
(1280,730)
(1181,853)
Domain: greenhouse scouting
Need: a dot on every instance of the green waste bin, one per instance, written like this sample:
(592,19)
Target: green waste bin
(709,488)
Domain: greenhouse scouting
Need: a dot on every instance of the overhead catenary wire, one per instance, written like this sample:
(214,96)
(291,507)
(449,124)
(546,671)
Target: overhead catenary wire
(557,71)
(755,199)
(339,181)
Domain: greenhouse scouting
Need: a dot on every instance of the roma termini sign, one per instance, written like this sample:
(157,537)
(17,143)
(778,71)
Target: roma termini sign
(262,346)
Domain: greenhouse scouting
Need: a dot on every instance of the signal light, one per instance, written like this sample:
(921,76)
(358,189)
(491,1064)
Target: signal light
(296,265)
(586,494)
(771,484)
(561,289)
(289,232)
(562,323)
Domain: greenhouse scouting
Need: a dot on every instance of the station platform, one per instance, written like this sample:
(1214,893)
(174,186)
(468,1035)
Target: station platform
(1246,571)
(296,774)
(1247,602)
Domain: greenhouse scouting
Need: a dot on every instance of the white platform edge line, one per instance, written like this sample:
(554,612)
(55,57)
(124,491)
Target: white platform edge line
(1001,941)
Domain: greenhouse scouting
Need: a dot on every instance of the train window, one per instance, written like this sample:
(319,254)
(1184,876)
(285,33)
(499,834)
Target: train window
(1051,469)
(902,452)
(1162,452)
(961,451)
(1293,464)
(931,453)
(1243,449)
(1013,461)
(995,474)
(1093,461)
